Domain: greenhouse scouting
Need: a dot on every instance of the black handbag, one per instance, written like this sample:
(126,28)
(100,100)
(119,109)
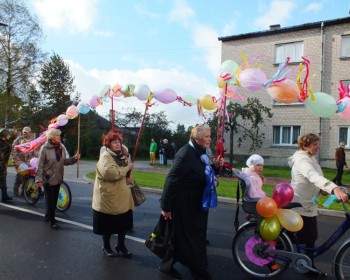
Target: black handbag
(137,194)
(159,242)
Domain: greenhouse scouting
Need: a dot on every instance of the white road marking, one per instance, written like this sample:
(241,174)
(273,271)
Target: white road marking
(140,240)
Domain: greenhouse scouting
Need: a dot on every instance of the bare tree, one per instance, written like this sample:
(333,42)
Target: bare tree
(20,54)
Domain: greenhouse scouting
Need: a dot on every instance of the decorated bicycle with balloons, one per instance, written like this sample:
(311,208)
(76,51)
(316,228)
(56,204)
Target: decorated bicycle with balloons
(262,248)
(32,193)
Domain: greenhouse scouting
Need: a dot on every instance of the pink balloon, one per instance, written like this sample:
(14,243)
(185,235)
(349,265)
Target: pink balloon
(62,120)
(72,112)
(165,96)
(345,114)
(252,78)
(283,194)
(34,162)
(94,101)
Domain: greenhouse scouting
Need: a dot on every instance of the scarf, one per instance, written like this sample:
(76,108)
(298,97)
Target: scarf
(58,149)
(210,198)
(118,157)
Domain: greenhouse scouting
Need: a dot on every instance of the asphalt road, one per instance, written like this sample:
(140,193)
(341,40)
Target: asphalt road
(30,249)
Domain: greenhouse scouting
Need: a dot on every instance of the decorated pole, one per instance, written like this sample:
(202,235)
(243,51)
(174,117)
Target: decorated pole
(78,145)
(141,127)
(112,114)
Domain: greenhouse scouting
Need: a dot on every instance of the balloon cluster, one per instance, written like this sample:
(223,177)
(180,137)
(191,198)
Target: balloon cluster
(282,87)
(274,216)
(23,169)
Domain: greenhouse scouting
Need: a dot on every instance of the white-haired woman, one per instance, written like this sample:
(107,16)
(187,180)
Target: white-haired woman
(184,201)
(52,158)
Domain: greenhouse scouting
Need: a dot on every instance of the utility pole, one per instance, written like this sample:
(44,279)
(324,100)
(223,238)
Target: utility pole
(5,25)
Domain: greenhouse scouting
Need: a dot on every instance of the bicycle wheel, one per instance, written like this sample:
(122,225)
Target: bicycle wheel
(64,197)
(342,262)
(31,191)
(248,252)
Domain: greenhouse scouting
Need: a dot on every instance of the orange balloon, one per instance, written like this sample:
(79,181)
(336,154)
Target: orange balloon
(266,207)
(285,92)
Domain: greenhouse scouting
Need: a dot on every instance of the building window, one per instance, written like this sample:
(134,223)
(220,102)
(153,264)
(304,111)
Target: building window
(345,46)
(286,135)
(344,135)
(293,50)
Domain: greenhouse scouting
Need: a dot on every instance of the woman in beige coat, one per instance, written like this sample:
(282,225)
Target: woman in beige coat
(52,158)
(112,201)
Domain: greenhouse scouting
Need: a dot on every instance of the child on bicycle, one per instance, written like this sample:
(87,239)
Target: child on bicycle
(254,175)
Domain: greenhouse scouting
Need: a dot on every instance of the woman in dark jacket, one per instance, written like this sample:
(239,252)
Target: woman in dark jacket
(182,201)
(52,158)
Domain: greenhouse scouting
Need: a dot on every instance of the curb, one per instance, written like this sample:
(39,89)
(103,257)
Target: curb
(233,201)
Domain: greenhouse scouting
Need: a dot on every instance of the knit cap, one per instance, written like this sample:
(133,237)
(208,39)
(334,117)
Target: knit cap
(254,160)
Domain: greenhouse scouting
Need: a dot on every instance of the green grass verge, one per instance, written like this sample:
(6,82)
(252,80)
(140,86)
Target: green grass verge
(228,187)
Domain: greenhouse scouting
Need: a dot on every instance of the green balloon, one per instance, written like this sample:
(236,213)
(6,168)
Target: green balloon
(270,228)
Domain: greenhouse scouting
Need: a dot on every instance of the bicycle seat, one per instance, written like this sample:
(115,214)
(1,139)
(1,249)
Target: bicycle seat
(248,204)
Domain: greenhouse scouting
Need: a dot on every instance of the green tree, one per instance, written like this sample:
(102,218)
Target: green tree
(57,85)
(244,121)
(20,55)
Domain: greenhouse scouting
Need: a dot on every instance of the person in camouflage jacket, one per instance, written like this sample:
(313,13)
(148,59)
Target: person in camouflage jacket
(5,152)
(20,157)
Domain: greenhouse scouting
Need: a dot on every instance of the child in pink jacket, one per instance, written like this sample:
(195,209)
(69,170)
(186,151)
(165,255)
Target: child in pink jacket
(254,175)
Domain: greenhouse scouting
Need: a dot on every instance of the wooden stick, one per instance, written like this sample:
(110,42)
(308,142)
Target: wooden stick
(78,145)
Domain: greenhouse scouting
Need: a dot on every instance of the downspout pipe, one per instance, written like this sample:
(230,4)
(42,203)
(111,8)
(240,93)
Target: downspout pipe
(321,79)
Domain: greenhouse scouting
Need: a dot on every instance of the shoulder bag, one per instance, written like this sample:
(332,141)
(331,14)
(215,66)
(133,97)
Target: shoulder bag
(137,194)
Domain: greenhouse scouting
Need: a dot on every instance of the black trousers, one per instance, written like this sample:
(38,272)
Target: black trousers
(51,201)
(340,169)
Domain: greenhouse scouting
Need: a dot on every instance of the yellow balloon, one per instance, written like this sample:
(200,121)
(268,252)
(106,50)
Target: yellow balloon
(221,83)
(290,219)
(207,102)
(270,228)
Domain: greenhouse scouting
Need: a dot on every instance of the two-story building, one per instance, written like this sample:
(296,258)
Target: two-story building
(327,45)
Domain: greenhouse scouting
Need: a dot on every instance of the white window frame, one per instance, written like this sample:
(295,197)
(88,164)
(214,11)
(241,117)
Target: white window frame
(345,46)
(295,50)
(291,129)
(344,135)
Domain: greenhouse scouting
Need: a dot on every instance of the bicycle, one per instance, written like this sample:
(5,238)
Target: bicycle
(32,193)
(269,259)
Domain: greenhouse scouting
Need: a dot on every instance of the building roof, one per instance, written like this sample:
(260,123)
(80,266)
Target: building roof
(275,30)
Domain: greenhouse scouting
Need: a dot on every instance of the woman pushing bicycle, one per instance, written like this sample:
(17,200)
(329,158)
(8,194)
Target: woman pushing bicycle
(50,171)
(307,182)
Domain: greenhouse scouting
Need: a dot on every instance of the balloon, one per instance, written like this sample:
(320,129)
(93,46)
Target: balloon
(165,96)
(207,102)
(94,101)
(141,92)
(285,92)
(220,82)
(116,91)
(23,169)
(342,106)
(270,228)
(231,93)
(230,67)
(345,113)
(34,162)
(104,91)
(290,219)
(266,207)
(72,112)
(83,107)
(283,194)
(323,106)
(62,120)
(128,90)
(252,78)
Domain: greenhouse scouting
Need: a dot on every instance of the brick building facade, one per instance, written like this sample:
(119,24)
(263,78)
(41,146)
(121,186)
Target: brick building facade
(327,45)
